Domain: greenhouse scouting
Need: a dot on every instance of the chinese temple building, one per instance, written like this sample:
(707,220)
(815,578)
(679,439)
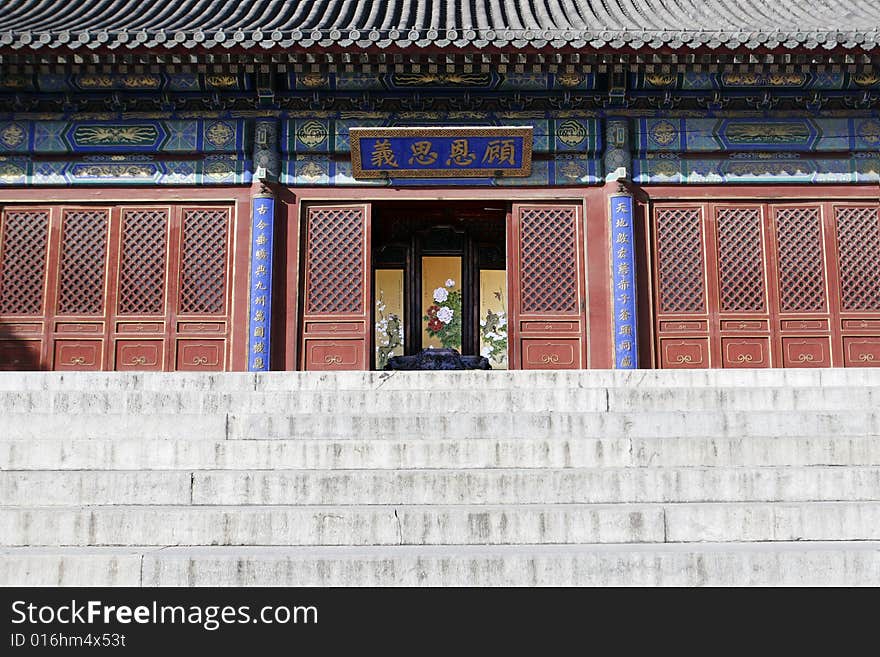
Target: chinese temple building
(212,185)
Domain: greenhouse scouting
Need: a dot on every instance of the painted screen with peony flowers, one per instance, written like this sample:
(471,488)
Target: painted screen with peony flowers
(441,302)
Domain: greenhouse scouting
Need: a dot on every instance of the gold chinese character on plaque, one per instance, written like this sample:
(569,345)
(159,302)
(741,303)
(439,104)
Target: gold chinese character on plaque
(422,153)
(441,152)
(383,155)
(459,153)
(499,151)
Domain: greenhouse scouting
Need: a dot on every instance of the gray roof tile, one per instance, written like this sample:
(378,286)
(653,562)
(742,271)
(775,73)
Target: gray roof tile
(211,24)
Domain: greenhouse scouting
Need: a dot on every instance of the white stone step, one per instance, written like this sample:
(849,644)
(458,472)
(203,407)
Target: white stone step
(453,453)
(57,566)
(726,564)
(472,380)
(475,486)
(66,488)
(744,522)
(439,525)
(434,402)
(336,525)
(304,402)
(553,424)
(36,426)
(550,486)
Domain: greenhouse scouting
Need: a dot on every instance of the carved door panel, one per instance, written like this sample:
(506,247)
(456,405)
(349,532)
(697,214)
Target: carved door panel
(79,324)
(199,288)
(857,242)
(738,289)
(139,324)
(546,287)
(682,310)
(24,246)
(803,321)
(336,307)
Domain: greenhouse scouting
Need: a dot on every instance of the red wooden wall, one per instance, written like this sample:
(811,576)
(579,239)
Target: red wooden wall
(758,284)
(112,286)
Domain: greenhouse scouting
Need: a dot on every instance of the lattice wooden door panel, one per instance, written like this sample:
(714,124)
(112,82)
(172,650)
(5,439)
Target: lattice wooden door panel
(546,286)
(114,287)
(336,306)
(24,242)
(857,238)
(681,286)
(785,285)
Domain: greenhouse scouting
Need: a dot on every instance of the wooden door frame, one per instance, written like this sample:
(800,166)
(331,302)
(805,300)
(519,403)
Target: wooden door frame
(592,201)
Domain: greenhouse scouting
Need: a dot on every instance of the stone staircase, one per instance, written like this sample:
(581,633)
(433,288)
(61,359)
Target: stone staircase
(445,478)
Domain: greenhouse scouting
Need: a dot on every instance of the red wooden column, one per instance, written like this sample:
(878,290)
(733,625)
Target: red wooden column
(337,291)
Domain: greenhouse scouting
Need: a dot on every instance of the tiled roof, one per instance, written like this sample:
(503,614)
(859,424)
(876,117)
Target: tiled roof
(274,25)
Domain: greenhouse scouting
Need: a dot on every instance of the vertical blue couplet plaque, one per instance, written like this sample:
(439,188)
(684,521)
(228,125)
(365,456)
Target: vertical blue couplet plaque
(260,319)
(624,282)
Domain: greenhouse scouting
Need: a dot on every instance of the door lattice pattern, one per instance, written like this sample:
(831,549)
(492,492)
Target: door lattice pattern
(83,257)
(203,262)
(680,259)
(142,266)
(858,240)
(548,261)
(335,260)
(801,268)
(23,262)
(740,260)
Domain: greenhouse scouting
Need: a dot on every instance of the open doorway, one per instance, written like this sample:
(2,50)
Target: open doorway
(440,279)
(387,278)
